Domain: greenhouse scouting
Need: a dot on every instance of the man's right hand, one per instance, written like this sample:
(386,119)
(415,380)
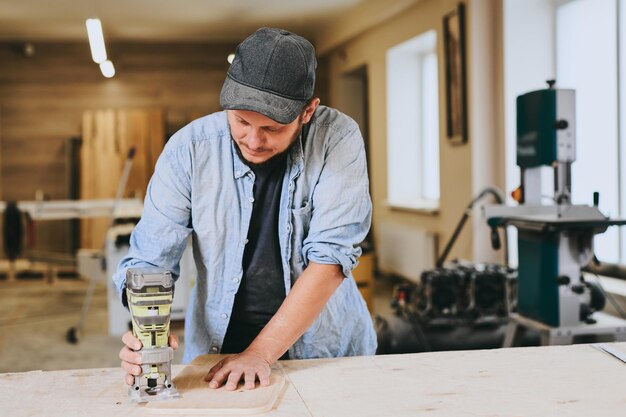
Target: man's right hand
(131,359)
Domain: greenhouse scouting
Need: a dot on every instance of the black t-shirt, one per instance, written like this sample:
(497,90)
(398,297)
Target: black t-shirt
(262,288)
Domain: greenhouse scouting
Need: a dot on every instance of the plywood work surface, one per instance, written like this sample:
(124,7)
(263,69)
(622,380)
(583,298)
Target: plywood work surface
(550,381)
(198,398)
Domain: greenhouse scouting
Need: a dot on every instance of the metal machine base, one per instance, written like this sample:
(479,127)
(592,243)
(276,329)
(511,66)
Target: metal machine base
(606,325)
(157,394)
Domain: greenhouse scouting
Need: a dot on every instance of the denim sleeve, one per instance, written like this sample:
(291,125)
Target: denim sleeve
(160,237)
(341,204)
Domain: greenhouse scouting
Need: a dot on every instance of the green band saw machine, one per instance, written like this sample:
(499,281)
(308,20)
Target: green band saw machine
(555,240)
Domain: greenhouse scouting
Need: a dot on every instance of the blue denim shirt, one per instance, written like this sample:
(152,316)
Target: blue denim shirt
(201,187)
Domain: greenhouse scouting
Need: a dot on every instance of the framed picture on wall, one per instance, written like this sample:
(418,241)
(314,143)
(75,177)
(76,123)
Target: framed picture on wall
(456,90)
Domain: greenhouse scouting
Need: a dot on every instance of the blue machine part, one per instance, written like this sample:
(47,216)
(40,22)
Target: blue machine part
(538,291)
(536,133)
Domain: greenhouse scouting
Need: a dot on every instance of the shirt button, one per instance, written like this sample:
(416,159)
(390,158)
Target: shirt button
(245,241)
(252,199)
(236,280)
(214,349)
(224,316)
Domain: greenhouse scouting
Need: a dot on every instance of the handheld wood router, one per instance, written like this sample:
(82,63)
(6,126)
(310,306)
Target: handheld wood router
(150,292)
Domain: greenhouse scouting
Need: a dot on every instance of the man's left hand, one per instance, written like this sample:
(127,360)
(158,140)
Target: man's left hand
(247,365)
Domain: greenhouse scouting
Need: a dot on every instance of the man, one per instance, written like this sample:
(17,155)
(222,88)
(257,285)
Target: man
(274,191)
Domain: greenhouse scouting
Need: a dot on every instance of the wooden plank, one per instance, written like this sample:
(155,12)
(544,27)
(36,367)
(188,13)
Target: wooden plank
(551,381)
(555,381)
(108,135)
(198,398)
(97,393)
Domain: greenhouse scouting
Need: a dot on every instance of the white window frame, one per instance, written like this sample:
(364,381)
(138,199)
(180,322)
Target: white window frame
(412,120)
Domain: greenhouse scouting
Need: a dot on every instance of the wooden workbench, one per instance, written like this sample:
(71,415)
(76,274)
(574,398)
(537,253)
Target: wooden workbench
(541,381)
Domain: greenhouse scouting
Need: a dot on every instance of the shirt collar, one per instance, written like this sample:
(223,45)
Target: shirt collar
(296,158)
(239,167)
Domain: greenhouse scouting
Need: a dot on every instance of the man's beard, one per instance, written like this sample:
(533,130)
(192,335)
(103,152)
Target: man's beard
(274,158)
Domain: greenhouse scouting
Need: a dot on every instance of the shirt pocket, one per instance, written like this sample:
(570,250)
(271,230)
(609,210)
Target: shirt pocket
(300,222)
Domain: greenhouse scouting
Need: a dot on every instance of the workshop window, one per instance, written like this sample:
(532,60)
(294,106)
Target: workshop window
(586,60)
(413,124)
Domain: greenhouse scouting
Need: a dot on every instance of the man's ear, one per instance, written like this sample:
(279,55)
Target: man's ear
(309,109)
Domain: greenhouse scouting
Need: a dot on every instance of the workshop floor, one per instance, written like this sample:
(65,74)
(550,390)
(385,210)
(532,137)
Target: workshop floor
(35,317)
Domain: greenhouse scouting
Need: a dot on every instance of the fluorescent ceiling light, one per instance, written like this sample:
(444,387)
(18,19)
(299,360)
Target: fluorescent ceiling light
(96,40)
(107,68)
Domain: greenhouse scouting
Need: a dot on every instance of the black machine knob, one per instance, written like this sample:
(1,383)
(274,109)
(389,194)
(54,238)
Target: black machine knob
(562,280)
(551,83)
(561,124)
(598,299)
(596,302)
(495,239)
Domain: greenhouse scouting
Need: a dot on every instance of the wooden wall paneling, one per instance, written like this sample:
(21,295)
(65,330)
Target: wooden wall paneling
(130,128)
(108,170)
(157,135)
(108,135)
(145,130)
(43,97)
